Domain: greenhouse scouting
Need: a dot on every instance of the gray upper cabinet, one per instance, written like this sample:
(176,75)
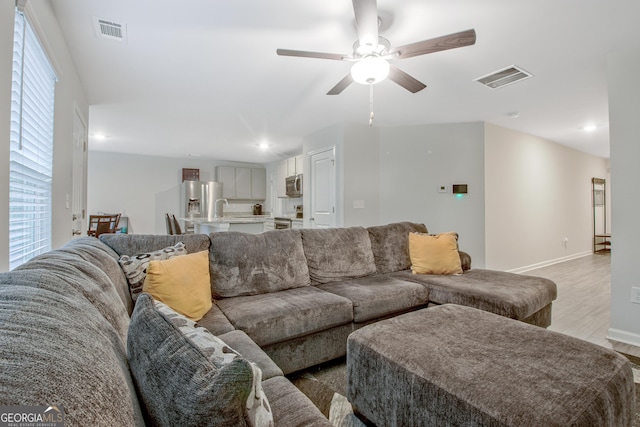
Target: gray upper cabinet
(258,184)
(242,183)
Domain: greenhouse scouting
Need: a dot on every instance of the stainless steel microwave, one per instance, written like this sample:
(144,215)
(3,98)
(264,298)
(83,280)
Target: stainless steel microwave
(294,186)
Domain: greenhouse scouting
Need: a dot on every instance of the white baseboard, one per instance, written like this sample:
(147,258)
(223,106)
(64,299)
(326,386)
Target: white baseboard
(549,262)
(623,337)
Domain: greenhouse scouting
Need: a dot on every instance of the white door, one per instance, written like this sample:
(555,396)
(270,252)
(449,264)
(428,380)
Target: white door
(79,177)
(323,189)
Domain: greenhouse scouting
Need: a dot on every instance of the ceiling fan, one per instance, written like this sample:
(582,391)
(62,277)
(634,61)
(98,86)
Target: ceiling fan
(371,52)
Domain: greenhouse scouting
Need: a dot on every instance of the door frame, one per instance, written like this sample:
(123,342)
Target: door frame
(307,186)
(81,223)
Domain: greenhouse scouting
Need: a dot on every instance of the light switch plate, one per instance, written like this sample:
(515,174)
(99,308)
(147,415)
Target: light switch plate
(358,204)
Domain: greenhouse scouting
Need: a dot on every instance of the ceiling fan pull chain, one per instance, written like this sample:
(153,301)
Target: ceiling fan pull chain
(370,105)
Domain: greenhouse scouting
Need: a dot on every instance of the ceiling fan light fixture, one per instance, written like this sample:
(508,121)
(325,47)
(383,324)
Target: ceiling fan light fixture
(370,70)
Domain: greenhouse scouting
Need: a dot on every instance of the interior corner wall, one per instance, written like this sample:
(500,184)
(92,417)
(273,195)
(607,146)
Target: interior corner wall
(537,193)
(416,160)
(623,69)
(69,94)
(144,188)
(361,175)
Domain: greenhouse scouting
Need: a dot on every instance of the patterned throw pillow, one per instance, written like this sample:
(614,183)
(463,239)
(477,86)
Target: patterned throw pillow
(135,266)
(165,348)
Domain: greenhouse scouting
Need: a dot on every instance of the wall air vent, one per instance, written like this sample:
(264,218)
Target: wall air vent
(109,29)
(504,77)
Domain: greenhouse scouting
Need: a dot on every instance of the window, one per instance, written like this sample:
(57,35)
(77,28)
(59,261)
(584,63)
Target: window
(31,146)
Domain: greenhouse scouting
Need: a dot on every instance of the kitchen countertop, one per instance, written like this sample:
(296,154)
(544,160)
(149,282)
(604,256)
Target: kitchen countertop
(240,219)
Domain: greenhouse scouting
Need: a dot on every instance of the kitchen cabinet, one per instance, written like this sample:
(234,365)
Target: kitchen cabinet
(281,185)
(227,176)
(258,184)
(269,225)
(294,165)
(242,183)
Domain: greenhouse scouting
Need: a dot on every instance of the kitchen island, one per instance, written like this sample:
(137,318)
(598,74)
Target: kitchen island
(247,224)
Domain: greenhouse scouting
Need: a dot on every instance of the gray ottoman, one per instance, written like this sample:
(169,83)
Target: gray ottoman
(458,366)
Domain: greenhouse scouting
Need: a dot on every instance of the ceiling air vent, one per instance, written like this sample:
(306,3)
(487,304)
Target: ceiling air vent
(504,77)
(109,29)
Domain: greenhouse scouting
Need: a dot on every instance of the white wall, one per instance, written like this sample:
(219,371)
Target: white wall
(537,193)
(69,93)
(415,161)
(623,69)
(144,188)
(329,137)
(361,175)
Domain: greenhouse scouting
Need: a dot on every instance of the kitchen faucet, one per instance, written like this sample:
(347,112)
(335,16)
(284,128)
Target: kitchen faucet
(215,207)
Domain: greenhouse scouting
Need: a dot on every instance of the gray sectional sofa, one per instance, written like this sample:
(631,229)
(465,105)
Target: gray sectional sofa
(285,300)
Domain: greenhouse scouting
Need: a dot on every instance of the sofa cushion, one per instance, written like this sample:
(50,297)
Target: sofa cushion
(135,266)
(244,345)
(182,283)
(251,264)
(185,374)
(434,254)
(82,265)
(379,296)
(291,408)
(57,348)
(131,244)
(280,316)
(335,254)
(390,245)
(215,321)
(508,294)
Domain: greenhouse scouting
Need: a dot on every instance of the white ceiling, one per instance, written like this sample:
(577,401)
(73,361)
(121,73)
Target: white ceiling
(202,77)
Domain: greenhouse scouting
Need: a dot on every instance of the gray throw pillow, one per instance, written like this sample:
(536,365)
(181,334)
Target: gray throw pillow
(188,377)
(390,245)
(135,266)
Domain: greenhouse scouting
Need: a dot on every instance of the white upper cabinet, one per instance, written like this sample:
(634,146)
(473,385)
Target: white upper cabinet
(281,185)
(242,183)
(299,164)
(294,165)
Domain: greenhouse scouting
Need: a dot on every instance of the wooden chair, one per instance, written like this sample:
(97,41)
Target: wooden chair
(176,226)
(101,224)
(169,224)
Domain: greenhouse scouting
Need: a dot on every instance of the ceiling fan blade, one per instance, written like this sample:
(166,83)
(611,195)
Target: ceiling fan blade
(342,85)
(366,12)
(307,54)
(405,80)
(451,41)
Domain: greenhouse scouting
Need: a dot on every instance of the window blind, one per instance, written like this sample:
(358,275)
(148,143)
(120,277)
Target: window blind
(31,146)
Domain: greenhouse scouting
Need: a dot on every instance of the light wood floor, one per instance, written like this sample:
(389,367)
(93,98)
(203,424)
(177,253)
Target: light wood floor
(583,307)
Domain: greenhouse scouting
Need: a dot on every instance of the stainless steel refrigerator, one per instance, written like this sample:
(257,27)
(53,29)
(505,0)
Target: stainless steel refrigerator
(198,200)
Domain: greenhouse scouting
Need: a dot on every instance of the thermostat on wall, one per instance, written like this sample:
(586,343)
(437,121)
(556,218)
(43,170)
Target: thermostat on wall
(459,188)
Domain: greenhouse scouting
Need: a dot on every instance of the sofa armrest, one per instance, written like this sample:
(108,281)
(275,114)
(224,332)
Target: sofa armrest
(465,260)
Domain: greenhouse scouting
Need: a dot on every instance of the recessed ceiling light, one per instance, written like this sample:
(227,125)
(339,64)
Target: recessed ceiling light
(193,155)
(513,114)
(99,136)
(263,145)
(589,128)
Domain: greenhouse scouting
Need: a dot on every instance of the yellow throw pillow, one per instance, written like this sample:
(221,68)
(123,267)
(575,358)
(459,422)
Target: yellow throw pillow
(434,254)
(182,283)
